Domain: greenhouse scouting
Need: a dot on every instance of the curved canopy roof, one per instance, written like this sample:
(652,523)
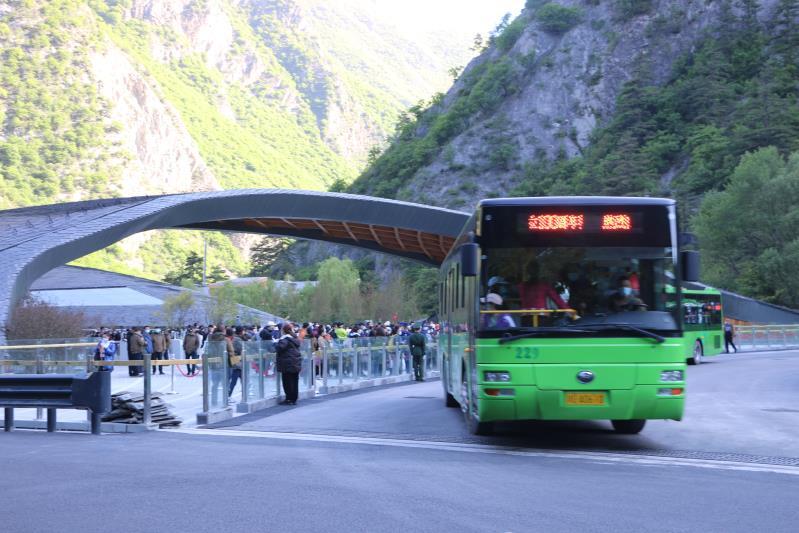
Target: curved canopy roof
(37,239)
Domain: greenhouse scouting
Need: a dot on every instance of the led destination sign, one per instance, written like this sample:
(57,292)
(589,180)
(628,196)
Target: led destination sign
(556,222)
(579,223)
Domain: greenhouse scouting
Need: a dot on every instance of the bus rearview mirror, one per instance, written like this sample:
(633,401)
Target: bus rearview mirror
(690,266)
(469,253)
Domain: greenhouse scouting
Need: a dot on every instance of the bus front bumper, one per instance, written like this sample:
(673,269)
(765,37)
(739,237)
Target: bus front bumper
(531,403)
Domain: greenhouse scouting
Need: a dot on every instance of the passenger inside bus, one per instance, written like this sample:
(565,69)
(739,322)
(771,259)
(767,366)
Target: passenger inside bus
(556,286)
(494,318)
(624,299)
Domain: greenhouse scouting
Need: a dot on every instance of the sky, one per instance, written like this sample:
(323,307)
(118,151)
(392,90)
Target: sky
(469,16)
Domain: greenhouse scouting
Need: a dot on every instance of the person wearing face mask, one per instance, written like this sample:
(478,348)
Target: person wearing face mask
(624,298)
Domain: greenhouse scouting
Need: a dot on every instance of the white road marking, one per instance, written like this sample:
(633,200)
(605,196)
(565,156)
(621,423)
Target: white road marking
(615,458)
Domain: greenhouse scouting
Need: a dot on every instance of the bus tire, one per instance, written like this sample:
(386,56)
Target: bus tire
(479,428)
(628,427)
(474,426)
(450,400)
(699,352)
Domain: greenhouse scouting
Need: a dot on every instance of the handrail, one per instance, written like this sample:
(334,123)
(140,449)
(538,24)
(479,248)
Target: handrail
(40,346)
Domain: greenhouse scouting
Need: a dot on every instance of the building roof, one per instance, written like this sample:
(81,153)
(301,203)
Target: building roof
(111,299)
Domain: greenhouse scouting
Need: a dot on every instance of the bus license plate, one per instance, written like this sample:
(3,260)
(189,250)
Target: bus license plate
(585,398)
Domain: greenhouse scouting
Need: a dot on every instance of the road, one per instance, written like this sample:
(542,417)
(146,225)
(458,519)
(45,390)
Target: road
(396,459)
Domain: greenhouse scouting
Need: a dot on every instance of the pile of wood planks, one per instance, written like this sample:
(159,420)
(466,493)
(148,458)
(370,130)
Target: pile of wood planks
(128,408)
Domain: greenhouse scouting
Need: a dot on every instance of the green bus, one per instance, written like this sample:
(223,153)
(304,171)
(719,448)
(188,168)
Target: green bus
(703,324)
(564,308)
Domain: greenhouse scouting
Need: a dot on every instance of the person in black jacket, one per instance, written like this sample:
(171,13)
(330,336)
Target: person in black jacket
(289,363)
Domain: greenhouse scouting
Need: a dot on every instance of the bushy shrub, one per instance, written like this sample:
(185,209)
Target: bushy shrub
(511,34)
(628,9)
(556,18)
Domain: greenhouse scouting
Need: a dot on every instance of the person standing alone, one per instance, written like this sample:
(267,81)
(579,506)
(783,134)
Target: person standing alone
(289,363)
(191,344)
(160,345)
(136,346)
(416,342)
(729,331)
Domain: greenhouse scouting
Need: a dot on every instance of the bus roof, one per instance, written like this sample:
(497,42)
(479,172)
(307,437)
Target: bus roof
(576,200)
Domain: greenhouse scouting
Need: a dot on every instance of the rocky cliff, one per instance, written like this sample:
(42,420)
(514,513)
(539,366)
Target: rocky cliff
(544,90)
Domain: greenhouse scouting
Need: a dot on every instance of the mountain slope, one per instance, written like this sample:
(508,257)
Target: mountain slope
(657,97)
(125,97)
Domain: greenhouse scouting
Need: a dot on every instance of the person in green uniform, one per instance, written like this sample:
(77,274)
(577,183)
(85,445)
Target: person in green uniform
(416,342)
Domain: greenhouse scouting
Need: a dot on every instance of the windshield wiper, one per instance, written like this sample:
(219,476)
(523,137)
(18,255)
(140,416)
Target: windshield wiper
(541,331)
(644,332)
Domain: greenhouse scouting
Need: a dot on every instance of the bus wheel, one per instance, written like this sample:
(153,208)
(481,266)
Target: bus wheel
(696,358)
(450,400)
(628,427)
(472,424)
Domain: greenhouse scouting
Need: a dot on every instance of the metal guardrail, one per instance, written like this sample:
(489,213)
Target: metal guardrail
(56,391)
(766,337)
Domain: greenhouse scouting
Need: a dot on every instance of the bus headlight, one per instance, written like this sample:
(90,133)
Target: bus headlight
(671,375)
(497,376)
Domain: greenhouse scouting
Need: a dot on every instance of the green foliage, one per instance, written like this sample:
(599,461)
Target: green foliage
(54,130)
(486,86)
(627,9)
(176,308)
(749,232)
(221,306)
(511,34)
(264,254)
(732,95)
(338,296)
(167,252)
(556,18)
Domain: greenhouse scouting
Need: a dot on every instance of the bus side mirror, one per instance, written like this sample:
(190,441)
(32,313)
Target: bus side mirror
(469,253)
(690,266)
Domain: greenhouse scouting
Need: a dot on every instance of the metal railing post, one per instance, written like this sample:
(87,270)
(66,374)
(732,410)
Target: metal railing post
(369,360)
(325,369)
(385,357)
(768,337)
(245,380)
(340,364)
(262,369)
(147,389)
(206,398)
(40,370)
(172,381)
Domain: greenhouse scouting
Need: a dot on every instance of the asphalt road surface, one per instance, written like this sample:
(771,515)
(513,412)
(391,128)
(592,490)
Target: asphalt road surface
(396,459)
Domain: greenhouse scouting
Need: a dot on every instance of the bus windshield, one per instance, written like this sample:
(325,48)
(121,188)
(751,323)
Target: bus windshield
(552,287)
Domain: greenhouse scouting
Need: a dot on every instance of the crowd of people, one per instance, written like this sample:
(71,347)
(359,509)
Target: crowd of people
(285,340)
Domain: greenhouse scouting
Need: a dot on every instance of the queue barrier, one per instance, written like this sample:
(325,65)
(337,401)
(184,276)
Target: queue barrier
(56,391)
(766,337)
(333,367)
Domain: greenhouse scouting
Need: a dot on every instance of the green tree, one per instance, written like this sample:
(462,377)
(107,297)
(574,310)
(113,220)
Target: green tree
(191,270)
(337,296)
(221,306)
(749,233)
(176,309)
